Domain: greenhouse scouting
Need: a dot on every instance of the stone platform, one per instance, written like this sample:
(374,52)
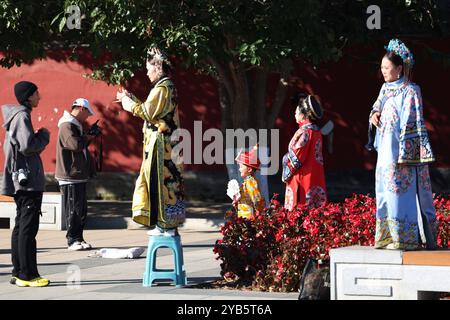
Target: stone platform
(51,218)
(366,273)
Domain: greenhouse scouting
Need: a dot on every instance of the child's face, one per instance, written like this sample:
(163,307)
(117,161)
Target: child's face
(298,115)
(244,170)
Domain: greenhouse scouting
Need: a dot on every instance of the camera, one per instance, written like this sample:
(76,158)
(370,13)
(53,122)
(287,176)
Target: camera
(21,176)
(95,130)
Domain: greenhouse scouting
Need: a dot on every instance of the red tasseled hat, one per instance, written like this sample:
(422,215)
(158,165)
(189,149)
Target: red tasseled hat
(249,158)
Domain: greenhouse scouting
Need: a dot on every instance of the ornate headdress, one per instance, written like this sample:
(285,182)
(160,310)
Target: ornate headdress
(158,55)
(400,49)
(310,105)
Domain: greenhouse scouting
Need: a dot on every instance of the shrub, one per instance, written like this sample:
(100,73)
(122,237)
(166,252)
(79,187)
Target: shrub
(442,206)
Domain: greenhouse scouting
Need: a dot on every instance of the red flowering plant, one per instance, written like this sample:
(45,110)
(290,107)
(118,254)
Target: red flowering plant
(285,264)
(246,244)
(358,221)
(269,251)
(442,206)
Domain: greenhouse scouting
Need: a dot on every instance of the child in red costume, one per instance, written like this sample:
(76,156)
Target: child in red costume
(303,170)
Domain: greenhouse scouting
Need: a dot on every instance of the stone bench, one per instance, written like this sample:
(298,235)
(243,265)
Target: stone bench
(51,218)
(366,273)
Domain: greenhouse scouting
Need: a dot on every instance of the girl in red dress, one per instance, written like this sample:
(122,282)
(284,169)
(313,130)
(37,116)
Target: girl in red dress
(303,170)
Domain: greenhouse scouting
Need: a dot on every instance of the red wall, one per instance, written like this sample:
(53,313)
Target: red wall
(347,90)
(61,82)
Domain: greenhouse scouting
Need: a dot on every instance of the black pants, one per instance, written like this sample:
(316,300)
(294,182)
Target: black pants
(23,239)
(74,210)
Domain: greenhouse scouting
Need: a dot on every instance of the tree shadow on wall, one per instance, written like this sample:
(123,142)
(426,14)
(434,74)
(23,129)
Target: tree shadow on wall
(121,137)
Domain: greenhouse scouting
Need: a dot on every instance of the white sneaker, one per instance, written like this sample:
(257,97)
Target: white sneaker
(76,246)
(85,245)
(160,232)
(155,232)
(169,233)
(391,246)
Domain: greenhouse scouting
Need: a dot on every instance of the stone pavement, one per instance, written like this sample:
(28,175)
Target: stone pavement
(120,279)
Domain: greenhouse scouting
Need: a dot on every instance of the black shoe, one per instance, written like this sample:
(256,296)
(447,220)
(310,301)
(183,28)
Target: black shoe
(12,280)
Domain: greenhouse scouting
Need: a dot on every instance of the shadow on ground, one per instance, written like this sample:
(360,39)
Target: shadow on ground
(93,282)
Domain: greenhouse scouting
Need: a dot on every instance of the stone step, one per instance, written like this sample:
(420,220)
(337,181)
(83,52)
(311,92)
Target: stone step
(200,215)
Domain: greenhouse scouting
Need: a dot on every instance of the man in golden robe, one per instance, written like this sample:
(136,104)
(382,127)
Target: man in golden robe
(158,199)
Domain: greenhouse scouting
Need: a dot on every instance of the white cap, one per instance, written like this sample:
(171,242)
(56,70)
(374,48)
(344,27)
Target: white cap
(81,102)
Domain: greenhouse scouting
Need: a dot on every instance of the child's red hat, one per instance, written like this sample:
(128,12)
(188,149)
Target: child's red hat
(250,158)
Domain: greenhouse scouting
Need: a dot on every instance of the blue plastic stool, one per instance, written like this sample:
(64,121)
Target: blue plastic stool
(178,275)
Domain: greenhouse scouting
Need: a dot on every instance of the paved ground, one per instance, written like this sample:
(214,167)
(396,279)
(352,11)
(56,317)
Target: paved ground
(119,279)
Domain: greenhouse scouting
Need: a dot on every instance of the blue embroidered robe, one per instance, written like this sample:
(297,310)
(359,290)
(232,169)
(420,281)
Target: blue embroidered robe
(405,210)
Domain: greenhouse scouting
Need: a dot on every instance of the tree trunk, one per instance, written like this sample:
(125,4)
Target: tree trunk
(258,106)
(240,104)
(243,95)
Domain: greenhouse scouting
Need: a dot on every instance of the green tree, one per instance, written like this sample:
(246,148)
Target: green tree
(239,42)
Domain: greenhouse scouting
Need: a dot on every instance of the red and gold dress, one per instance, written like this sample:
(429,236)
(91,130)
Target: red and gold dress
(303,170)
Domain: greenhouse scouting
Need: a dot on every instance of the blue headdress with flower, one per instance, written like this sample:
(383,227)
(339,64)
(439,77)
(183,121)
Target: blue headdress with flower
(400,49)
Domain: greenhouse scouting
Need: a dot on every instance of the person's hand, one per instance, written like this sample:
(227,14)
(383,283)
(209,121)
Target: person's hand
(121,93)
(375,119)
(235,200)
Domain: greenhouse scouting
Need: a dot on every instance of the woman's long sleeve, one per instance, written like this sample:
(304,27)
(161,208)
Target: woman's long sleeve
(414,144)
(152,109)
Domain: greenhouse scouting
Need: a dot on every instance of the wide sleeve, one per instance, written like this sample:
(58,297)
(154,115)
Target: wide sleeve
(152,109)
(28,141)
(377,107)
(414,144)
(296,155)
(378,104)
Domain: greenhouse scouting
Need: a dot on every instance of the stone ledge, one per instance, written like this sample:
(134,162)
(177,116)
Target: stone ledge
(211,185)
(51,209)
(427,258)
(6,198)
(366,273)
(361,254)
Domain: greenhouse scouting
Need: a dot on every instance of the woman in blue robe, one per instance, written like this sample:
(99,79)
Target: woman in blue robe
(406,217)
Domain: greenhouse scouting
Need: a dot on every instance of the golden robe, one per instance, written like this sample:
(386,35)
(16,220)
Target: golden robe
(159,194)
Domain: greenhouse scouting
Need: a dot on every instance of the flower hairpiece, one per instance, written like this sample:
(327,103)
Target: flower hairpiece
(308,107)
(400,49)
(159,55)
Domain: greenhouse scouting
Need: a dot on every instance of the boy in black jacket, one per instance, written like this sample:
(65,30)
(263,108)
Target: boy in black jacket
(73,169)
(24,179)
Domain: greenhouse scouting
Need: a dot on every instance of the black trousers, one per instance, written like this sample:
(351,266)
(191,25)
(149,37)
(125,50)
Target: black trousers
(23,239)
(74,210)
